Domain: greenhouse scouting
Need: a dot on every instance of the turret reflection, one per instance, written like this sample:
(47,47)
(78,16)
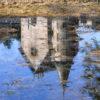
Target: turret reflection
(34,39)
(65,46)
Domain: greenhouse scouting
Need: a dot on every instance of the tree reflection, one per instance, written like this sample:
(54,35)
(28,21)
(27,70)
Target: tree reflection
(8,43)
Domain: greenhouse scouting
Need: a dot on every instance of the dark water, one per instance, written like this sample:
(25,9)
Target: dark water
(46,59)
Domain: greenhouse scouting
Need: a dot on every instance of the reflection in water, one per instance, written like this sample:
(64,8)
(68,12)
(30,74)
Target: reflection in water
(53,41)
(65,47)
(48,44)
(7,43)
(9,30)
(34,39)
(7,39)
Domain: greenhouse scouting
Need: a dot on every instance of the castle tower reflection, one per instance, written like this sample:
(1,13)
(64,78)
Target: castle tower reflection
(65,45)
(47,41)
(34,39)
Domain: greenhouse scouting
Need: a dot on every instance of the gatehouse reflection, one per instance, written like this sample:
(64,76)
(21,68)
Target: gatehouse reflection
(49,44)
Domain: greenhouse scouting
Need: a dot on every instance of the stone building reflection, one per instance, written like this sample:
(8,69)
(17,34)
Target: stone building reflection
(49,43)
(34,39)
(65,46)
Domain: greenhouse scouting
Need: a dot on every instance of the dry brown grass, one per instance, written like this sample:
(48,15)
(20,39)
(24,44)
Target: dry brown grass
(48,9)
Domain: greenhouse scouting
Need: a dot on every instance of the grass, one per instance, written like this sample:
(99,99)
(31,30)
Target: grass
(48,9)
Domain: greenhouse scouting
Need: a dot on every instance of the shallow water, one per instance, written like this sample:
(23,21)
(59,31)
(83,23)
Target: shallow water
(57,70)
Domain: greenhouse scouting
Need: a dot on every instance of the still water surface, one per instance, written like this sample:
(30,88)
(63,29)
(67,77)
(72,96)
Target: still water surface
(45,59)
